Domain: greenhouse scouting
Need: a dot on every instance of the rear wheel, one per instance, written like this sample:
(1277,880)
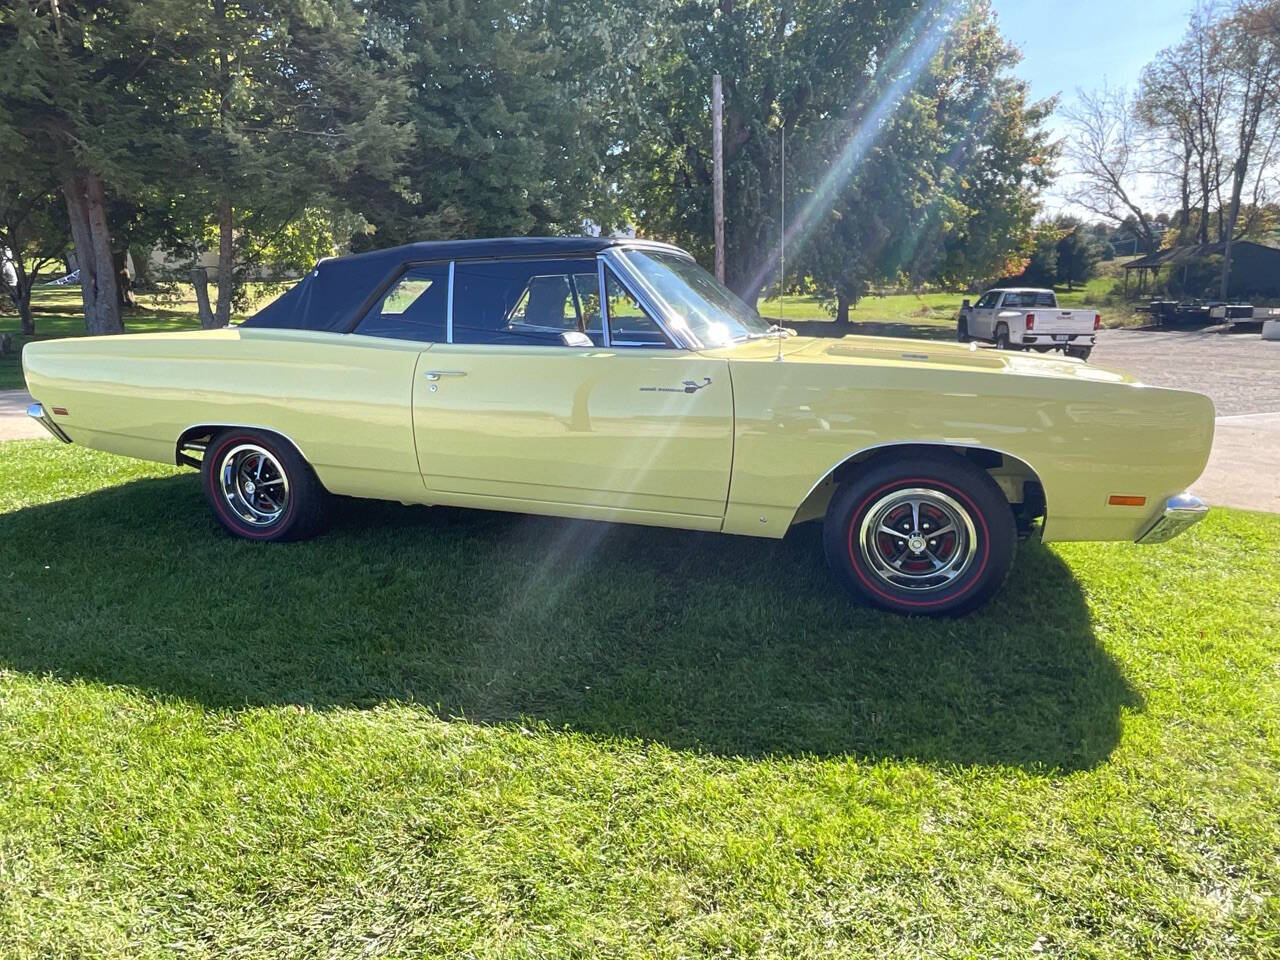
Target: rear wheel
(260,488)
(1080,352)
(926,535)
(1002,337)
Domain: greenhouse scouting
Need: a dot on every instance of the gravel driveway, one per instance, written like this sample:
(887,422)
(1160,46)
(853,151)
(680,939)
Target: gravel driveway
(1239,371)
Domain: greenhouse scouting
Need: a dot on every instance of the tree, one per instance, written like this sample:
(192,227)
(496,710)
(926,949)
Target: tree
(71,106)
(1078,252)
(277,106)
(1107,152)
(515,107)
(1251,42)
(1182,99)
(33,235)
(1041,268)
(948,192)
(826,73)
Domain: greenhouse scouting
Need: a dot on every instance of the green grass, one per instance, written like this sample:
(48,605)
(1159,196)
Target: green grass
(437,733)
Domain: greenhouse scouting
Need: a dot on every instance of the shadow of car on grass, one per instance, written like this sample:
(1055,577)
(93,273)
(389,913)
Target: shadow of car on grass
(733,646)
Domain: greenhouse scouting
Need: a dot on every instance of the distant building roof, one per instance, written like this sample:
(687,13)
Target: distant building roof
(1179,255)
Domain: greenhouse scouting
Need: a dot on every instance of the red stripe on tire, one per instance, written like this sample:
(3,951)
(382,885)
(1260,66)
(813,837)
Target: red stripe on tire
(220,500)
(986,542)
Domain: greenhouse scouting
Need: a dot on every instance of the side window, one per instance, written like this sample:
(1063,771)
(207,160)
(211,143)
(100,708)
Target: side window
(413,308)
(526,302)
(629,324)
(987,301)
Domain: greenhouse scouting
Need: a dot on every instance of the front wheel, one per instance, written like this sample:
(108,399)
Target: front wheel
(962,330)
(260,488)
(925,535)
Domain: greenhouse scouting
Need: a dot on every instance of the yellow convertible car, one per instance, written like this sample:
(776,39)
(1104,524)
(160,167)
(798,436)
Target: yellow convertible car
(616,380)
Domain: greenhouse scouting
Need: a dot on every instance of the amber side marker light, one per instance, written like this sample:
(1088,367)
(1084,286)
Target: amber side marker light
(1118,501)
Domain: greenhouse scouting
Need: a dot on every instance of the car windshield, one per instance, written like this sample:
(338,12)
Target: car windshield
(695,301)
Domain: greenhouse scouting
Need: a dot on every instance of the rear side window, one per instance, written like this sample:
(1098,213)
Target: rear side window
(527,302)
(413,308)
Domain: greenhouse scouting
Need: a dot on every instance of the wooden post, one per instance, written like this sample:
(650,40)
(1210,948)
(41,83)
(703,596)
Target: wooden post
(717,176)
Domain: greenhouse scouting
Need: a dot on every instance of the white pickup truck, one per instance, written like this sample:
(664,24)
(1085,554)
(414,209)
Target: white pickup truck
(1022,318)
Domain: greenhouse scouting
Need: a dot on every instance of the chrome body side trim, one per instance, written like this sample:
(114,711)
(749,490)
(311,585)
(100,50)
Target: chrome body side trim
(1180,513)
(36,412)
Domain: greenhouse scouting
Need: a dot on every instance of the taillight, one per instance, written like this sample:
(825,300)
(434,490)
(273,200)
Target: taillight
(1031,321)
(1097,321)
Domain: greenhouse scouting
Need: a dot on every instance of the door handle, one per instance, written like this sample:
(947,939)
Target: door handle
(437,374)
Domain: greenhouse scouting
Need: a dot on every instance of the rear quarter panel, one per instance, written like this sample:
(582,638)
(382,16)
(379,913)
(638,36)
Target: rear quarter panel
(342,399)
(1087,432)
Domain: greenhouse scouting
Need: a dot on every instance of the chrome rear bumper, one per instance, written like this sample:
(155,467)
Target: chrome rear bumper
(1180,512)
(36,412)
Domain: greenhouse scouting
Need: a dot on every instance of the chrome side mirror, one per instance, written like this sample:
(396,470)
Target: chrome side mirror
(575,338)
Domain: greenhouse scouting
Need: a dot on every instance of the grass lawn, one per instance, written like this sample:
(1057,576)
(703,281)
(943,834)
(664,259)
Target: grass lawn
(437,733)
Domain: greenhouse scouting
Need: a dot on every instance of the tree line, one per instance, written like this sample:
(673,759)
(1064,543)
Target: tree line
(1203,124)
(275,132)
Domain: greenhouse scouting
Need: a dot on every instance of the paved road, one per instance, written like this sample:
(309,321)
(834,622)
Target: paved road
(14,422)
(1241,372)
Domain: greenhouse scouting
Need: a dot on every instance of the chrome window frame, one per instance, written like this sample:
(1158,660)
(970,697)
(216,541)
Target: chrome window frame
(448,310)
(635,284)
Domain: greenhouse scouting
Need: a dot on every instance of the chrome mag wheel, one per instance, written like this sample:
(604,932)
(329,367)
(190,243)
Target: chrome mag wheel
(917,539)
(254,484)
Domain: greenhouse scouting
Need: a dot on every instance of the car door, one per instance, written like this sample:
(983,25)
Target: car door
(507,415)
(983,315)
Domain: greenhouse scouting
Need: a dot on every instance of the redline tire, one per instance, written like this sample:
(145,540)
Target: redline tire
(925,534)
(260,487)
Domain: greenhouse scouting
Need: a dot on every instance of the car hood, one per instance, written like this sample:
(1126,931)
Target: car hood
(892,351)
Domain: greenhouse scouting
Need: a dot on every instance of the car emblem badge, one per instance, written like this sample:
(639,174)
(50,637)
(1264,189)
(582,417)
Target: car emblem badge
(689,386)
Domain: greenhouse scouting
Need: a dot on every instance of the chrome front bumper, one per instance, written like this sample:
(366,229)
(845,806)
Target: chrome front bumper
(36,412)
(1180,512)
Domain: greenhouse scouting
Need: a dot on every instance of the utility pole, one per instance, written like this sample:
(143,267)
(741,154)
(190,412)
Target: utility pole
(717,176)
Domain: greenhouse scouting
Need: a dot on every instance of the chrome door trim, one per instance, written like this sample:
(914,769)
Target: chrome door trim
(635,284)
(604,301)
(448,312)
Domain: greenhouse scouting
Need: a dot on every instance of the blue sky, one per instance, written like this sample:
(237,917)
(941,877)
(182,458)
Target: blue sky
(1082,43)
(1085,43)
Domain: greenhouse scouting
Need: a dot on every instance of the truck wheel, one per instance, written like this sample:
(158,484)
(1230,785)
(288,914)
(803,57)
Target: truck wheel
(926,535)
(962,330)
(1081,352)
(260,488)
(1002,337)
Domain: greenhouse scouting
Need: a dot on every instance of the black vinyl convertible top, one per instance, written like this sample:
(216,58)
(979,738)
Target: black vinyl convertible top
(333,295)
